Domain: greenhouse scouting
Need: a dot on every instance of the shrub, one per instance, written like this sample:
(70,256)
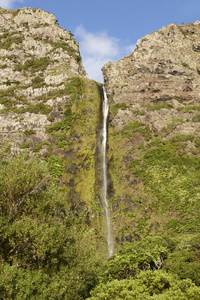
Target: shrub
(37,148)
(38,82)
(134,127)
(34,65)
(158,106)
(55,166)
(114,108)
(24,145)
(196,118)
(29,131)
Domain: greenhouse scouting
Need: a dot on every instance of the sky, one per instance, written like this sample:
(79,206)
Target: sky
(108,30)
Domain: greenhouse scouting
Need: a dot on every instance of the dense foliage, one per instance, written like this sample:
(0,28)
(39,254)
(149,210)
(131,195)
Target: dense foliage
(42,246)
(47,252)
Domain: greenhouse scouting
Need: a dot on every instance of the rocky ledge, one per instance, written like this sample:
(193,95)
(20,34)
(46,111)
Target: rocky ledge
(154,134)
(164,68)
(37,59)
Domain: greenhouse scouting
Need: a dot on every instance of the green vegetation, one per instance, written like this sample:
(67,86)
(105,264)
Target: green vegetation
(48,251)
(114,108)
(147,285)
(196,118)
(24,145)
(51,237)
(37,148)
(6,102)
(38,82)
(173,178)
(188,108)
(138,271)
(158,106)
(8,39)
(74,88)
(43,249)
(39,108)
(34,65)
(136,127)
(29,131)
(3,66)
(64,125)
(55,166)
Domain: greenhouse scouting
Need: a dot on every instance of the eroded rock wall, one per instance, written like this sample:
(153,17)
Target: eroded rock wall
(37,57)
(154,134)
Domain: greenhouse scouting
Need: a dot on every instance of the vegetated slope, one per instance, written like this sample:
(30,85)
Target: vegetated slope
(51,235)
(48,106)
(154,135)
(50,212)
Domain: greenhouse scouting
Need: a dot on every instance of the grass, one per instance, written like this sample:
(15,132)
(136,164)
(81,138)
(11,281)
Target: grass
(8,39)
(136,127)
(173,177)
(189,108)
(161,177)
(158,106)
(24,145)
(114,108)
(33,65)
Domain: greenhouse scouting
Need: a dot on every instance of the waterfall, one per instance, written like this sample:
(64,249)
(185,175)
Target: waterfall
(109,235)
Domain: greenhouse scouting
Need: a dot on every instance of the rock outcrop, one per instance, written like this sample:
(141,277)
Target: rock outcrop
(164,65)
(48,106)
(154,133)
(164,68)
(37,57)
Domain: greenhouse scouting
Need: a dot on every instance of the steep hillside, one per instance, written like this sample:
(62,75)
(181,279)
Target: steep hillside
(47,104)
(154,135)
(52,242)
(37,59)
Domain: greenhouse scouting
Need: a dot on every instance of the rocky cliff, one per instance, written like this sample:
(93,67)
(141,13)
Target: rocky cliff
(37,57)
(154,133)
(48,107)
(52,243)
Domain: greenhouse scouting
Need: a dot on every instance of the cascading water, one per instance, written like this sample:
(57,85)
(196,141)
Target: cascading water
(109,235)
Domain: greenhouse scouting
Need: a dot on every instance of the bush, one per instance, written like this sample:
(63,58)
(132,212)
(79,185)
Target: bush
(34,65)
(43,253)
(38,82)
(132,128)
(24,145)
(147,285)
(37,148)
(29,131)
(114,108)
(55,166)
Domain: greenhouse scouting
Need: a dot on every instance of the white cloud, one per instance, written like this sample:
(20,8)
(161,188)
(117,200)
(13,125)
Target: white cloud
(97,49)
(9,3)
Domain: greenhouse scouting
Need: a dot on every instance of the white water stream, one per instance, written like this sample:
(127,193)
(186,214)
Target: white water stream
(109,235)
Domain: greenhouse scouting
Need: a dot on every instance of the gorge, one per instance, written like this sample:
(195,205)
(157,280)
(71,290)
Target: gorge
(74,168)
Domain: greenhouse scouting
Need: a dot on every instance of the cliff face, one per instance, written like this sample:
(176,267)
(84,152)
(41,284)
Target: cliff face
(37,57)
(47,104)
(164,68)
(154,132)
(164,65)
(49,107)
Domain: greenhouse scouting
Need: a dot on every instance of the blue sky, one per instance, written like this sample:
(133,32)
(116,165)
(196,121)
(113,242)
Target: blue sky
(108,30)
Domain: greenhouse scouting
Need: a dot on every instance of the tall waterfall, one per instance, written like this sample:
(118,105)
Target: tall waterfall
(109,235)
